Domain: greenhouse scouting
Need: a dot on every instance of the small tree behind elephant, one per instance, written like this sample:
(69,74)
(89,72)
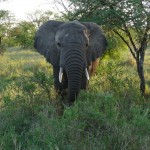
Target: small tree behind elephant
(73,49)
(2,47)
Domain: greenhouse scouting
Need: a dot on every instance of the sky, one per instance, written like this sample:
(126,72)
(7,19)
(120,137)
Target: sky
(20,8)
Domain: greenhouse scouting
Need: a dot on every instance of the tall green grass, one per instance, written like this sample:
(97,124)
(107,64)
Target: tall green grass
(110,115)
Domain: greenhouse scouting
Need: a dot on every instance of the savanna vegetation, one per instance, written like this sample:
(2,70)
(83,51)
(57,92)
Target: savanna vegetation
(114,113)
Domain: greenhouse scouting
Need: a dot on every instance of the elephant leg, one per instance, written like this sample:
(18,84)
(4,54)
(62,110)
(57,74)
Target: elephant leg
(93,67)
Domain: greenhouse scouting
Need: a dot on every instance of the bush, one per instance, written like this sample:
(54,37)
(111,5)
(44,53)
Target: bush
(2,49)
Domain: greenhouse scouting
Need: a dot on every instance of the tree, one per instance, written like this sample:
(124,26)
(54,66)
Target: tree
(6,22)
(39,17)
(23,34)
(123,17)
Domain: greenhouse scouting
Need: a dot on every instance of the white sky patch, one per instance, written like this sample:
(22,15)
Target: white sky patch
(20,8)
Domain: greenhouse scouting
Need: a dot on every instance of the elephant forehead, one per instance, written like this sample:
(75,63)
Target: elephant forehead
(62,33)
(72,24)
(66,35)
(75,36)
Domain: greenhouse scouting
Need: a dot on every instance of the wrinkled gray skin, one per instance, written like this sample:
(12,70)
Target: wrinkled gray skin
(72,46)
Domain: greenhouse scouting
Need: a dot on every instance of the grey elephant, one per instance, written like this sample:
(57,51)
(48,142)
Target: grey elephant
(73,49)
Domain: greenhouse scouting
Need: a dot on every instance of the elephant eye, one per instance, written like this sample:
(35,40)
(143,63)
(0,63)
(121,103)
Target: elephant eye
(59,44)
(87,44)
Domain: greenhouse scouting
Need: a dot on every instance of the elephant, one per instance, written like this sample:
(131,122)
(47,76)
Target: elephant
(73,49)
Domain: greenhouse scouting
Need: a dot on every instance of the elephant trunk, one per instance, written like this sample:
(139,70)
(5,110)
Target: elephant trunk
(74,69)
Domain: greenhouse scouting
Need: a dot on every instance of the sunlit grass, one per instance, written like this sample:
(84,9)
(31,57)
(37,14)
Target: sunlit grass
(17,65)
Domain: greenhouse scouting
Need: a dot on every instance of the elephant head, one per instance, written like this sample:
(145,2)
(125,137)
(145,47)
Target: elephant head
(71,48)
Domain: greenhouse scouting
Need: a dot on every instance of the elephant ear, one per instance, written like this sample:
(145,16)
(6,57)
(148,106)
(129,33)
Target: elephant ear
(97,42)
(44,41)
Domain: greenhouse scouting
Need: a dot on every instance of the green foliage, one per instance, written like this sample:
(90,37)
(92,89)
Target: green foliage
(6,23)
(130,17)
(23,34)
(110,115)
(2,49)
(114,12)
(114,42)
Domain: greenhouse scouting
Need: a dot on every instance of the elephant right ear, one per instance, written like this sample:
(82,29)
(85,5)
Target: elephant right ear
(44,41)
(97,42)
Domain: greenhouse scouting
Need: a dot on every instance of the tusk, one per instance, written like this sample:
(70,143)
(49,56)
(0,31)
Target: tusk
(87,74)
(60,74)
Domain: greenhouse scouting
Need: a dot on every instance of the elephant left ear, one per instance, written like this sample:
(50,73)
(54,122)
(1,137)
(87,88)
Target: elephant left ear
(97,42)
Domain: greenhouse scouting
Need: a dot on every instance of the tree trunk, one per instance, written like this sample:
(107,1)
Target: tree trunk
(140,70)
(0,40)
(1,48)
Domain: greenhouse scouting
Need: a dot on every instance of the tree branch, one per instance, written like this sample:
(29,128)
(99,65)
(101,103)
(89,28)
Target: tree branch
(130,37)
(63,5)
(144,39)
(133,53)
